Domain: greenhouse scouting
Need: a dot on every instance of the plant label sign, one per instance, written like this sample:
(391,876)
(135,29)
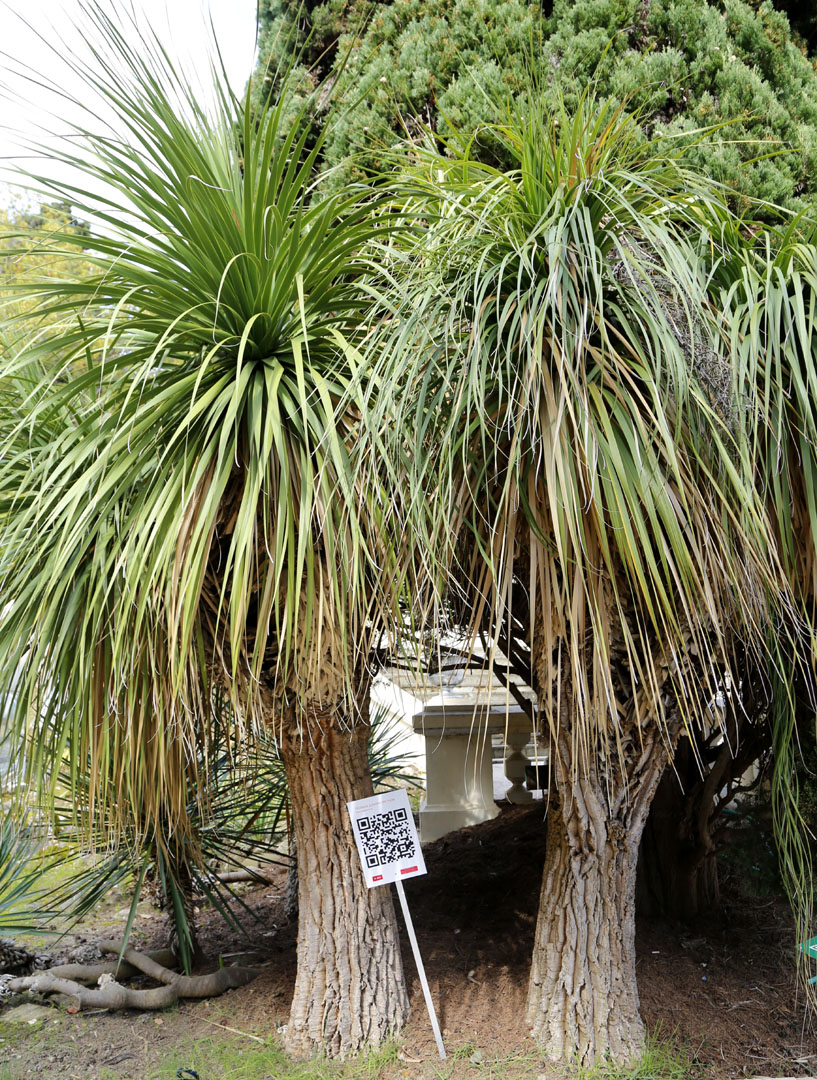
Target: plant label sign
(389,850)
(386,838)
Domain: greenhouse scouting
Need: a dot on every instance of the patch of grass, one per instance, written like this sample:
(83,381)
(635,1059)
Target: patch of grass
(661,1060)
(31,1041)
(220,1059)
(231,1059)
(249,1052)
(249,1060)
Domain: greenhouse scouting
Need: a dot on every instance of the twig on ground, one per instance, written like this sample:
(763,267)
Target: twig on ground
(235,1031)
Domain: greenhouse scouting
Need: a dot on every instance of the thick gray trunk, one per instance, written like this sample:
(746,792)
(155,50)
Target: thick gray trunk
(582,997)
(349,991)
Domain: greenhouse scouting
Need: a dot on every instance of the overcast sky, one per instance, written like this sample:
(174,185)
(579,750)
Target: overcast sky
(26,26)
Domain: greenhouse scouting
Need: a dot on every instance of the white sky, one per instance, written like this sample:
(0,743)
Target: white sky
(27,27)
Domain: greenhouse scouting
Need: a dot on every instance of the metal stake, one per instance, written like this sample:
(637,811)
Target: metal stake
(421,971)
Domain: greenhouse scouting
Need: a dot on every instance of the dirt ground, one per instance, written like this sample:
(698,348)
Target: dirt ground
(722,989)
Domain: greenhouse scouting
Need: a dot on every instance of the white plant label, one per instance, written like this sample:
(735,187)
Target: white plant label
(386,838)
(389,850)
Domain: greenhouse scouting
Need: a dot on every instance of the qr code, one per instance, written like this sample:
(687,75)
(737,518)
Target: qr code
(386,838)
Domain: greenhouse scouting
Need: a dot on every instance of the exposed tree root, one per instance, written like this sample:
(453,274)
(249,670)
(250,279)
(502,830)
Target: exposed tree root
(189,986)
(89,974)
(112,995)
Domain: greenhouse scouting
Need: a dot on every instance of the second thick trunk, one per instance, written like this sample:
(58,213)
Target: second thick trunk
(582,997)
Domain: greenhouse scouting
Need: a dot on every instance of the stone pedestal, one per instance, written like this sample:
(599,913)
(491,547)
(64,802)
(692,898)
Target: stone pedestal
(459,772)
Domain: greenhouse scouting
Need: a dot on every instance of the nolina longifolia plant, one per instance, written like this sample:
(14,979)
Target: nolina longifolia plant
(205,511)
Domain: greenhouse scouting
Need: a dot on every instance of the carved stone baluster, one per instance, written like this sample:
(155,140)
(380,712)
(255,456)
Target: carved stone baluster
(515,764)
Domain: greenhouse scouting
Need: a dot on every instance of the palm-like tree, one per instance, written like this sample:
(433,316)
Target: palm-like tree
(209,515)
(571,419)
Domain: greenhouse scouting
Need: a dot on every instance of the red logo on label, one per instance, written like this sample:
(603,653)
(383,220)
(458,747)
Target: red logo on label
(409,870)
(377,877)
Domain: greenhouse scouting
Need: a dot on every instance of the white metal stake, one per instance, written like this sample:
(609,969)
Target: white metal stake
(421,971)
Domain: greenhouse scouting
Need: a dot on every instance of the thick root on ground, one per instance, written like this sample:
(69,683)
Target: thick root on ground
(252,874)
(89,974)
(112,995)
(188,986)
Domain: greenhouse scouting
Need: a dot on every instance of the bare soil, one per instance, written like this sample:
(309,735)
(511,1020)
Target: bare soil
(723,988)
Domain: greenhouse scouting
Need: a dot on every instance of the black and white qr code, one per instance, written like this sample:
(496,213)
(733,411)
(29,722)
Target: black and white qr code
(386,838)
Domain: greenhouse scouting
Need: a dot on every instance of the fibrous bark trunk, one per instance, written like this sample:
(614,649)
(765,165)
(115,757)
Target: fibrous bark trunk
(349,990)
(582,997)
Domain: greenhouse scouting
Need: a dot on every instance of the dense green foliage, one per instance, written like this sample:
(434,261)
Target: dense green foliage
(685,65)
(234,320)
(682,65)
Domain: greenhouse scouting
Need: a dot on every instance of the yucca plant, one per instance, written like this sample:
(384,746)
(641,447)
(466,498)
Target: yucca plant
(560,393)
(211,516)
(243,822)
